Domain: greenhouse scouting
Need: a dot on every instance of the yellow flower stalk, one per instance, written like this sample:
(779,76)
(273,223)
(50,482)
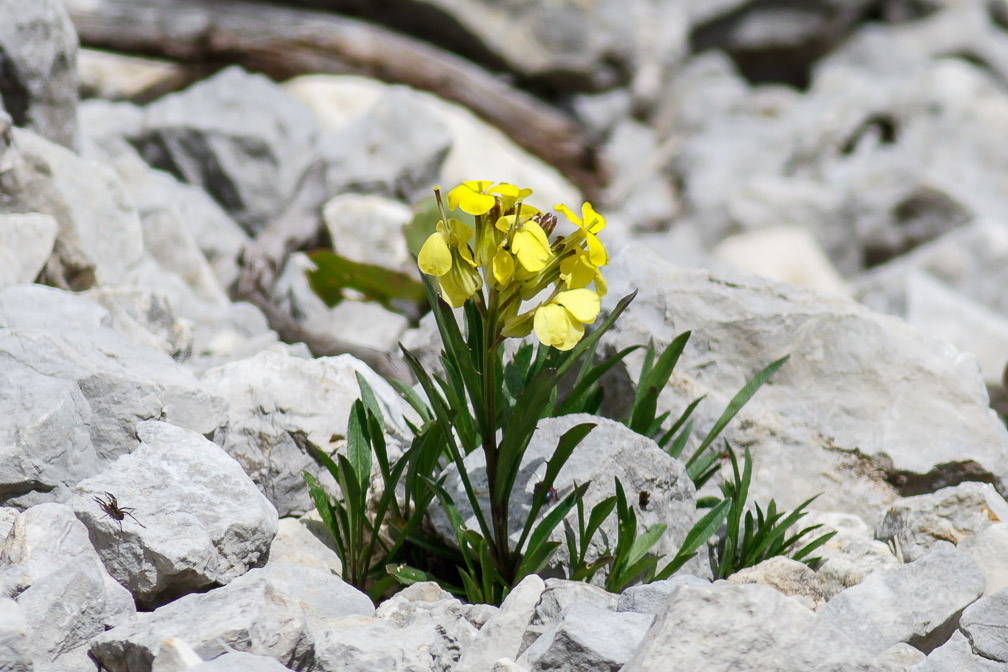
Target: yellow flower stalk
(511,255)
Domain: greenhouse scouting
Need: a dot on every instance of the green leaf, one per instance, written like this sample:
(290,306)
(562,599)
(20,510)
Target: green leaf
(369,399)
(698,535)
(675,450)
(358,445)
(333,274)
(325,510)
(679,423)
(536,556)
(735,405)
(586,385)
(565,448)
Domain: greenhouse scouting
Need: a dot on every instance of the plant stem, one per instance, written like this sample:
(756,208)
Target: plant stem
(499,546)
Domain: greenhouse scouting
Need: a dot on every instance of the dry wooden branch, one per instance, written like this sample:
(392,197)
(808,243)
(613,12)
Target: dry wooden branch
(284,42)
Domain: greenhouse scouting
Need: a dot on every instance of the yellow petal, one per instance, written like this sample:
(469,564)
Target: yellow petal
(596,252)
(600,284)
(435,256)
(576,271)
(560,207)
(468,197)
(591,221)
(531,247)
(459,284)
(459,230)
(503,266)
(583,304)
(552,325)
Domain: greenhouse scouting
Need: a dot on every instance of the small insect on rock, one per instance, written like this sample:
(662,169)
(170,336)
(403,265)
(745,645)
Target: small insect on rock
(110,505)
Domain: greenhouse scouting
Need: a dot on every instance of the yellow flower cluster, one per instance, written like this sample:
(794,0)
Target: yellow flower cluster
(511,255)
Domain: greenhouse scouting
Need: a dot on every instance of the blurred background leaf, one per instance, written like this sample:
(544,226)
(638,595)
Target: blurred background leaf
(333,275)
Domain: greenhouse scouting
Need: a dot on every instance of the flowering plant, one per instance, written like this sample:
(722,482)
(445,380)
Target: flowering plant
(513,272)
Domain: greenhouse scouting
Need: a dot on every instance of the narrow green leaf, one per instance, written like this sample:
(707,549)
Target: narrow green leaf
(359,445)
(565,448)
(736,404)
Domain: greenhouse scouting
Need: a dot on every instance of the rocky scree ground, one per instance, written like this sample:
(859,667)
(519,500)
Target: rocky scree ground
(771,167)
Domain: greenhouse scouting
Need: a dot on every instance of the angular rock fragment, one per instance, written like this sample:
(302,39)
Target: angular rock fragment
(916,524)
(185,516)
(918,603)
(279,611)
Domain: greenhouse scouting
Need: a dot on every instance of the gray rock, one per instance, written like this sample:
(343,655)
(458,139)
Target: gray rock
(790,577)
(586,638)
(984,623)
(650,598)
(46,444)
(901,656)
(66,337)
(426,608)
(26,241)
(477,147)
(704,89)
(850,556)
(362,645)
(981,246)
(294,543)
(189,208)
(754,627)
(610,450)
(65,595)
(279,611)
(99,237)
(220,332)
(181,535)
(8,515)
(394,149)
(503,634)
(39,69)
(369,228)
(918,603)
(640,190)
(63,611)
(558,596)
(274,394)
(15,654)
(239,661)
(561,594)
(146,318)
(957,654)
(106,127)
(255,138)
(934,309)
(938,429)
(364,323)
(778,42)
(916,524)
(569,46)
(989,548)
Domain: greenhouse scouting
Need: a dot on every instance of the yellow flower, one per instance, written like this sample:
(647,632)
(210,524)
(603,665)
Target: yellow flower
(509,195)
(445,255)
(590,223)
(577,271)
(560,321)
(528,241)
(471,197)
